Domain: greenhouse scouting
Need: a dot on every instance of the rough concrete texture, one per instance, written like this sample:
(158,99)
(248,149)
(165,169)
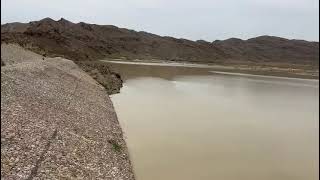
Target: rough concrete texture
(57,122)
(13,54)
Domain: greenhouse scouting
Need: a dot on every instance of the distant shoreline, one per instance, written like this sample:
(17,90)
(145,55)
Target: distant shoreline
(268,71)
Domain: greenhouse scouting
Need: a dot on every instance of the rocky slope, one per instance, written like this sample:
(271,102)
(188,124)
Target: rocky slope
(82,41)
(57,122)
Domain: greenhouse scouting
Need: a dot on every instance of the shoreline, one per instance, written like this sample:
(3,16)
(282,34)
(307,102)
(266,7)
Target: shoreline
(269,71)
(264,76)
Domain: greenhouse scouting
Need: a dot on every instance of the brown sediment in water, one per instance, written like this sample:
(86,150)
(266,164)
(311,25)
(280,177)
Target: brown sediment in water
(218,126)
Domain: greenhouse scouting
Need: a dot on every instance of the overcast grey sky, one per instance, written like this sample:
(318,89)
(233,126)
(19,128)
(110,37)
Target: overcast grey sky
(196,19)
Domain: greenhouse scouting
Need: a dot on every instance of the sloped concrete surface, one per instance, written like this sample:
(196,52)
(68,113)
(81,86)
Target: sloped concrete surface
(57,122)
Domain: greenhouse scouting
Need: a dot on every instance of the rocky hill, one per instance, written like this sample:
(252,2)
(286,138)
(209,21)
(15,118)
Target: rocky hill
(82,41)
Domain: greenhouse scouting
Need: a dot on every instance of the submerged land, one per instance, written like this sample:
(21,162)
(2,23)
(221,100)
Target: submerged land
(57,120)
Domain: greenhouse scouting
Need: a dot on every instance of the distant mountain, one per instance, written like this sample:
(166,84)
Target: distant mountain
(82,41)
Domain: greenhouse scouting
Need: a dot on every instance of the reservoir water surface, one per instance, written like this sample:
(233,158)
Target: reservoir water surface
(184,123)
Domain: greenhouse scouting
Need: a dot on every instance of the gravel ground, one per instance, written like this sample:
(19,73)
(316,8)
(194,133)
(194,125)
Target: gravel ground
(57,122)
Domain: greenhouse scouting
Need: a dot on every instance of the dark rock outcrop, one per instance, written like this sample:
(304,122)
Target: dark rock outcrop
(100,72)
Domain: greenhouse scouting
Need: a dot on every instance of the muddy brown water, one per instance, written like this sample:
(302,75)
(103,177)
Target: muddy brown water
(184,123)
